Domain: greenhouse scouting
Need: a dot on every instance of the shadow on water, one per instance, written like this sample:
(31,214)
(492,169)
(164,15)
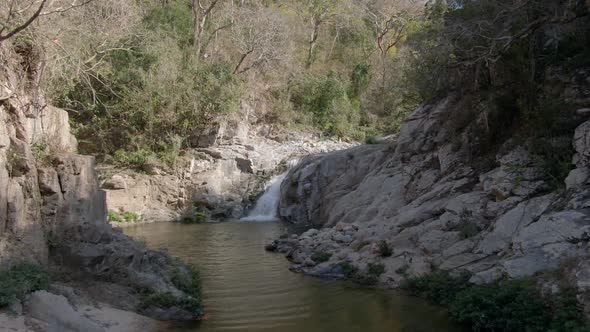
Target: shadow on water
(248,289)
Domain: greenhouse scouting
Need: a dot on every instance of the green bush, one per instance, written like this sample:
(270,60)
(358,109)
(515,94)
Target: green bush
(162,300)
(126,216)
(321,256)
(568,314)
(348,269)
(367,277)
(148,99)
(44,155)
(439,287)
(130,216)
(508,305)
(114,216)
(136,159)
(21,280)
(168,300)
(360,79)
(325,98)
(190,283)
(370,276)
(186,279)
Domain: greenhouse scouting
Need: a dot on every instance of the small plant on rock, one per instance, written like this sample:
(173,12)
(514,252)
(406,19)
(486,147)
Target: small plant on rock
(114,216)
(44,154)
(384,249)
(348,269)
(127,216)
(130,216)
(321,256)
(467,229)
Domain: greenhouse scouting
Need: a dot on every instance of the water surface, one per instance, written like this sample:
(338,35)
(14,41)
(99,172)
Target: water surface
(246,288)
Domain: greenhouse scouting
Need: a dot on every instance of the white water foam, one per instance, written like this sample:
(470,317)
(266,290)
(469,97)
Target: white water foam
(267,205)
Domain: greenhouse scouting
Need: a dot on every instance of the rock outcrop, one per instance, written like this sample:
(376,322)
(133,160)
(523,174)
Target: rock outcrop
(444,197)
(52,211)
(218,178)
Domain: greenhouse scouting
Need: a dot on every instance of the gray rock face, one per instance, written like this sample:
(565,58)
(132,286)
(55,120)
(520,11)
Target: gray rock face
(53,213)
(425,199)
(58,314)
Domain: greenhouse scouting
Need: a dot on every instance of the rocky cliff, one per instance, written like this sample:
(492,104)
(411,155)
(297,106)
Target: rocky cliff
(451,194)
(52,212)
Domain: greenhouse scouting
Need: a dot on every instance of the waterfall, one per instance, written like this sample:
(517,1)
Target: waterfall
(268,204)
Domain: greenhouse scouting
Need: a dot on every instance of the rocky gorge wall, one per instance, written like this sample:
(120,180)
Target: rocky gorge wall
(53,213)
(442,198)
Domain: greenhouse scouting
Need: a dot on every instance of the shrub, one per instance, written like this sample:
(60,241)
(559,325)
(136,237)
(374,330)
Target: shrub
(375,269)
(186,279)
(136,159)
(467,229)
(167,300)
(507,306)
(568,314)
(189,282)
(439,287)
(156,299)
(114,216)
(195,215)
(16,162)
(44,155)
(368,277)
(126,216)
(360,79)
(325,98)
(554,158)
(370,139)
(321,256)
(21,280)
(151,97)
(130,216)
(384,249)
(348,269)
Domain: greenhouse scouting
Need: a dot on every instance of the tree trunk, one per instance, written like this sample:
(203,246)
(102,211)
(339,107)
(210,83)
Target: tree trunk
(312,42)
(244,56)
(383,80)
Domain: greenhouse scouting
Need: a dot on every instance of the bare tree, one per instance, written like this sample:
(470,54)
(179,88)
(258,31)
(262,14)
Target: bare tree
(390,21)
(77,42)
(18,15)
(202,11)
(260,37)
(316,13)
(14,12)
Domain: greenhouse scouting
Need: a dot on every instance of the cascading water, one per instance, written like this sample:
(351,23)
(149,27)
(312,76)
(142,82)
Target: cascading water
(267,205)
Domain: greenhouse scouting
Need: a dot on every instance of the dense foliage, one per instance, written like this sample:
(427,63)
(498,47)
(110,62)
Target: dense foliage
(143,79)
(511,305)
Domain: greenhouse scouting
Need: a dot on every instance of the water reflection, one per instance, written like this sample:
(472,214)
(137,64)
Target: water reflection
(249,289)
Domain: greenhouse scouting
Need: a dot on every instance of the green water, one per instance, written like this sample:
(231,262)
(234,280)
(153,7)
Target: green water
(248,289)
